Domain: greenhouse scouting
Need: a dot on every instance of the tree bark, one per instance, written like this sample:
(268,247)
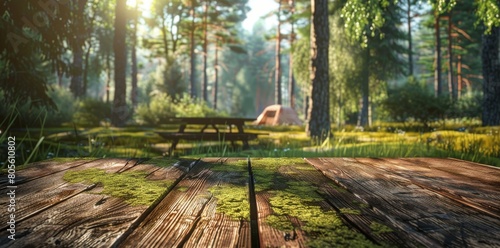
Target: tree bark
(192,75)
(76,83)
(410,48)
(291,79)
(437,58)
(133,74)
(318,126)
(451,84)
(216,80)
(277,80)
(363,118)
(120,113)
(491,73)
(205,53)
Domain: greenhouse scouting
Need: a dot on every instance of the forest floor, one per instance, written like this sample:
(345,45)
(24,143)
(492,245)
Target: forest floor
(479,145)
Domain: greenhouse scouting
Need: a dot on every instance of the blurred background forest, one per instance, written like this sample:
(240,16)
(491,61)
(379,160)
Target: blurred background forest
(420,62)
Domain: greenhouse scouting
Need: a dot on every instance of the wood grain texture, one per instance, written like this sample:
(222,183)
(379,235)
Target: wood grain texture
(52,212)
(187,216)
(424,215)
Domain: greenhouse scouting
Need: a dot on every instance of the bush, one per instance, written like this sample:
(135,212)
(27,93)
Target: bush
(414,101)
(157,111)
(162,107)
(90,112)
(65,107)
(31,115)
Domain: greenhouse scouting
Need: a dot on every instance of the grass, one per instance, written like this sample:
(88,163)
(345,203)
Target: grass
(477,144)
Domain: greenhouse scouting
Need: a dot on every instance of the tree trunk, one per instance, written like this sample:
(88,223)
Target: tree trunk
(363,118)
(216,80)
(277,81)
(437,58)
(192,78)
(108,78)
(133,74)
(76,83)
(491,73)
(291,79)
(205,51)
(120,113)
(459,76)
(451,84)
(410,48)
(86,69)
(318,126)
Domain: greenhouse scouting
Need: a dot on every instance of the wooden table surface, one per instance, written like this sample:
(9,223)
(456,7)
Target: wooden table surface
(424,202)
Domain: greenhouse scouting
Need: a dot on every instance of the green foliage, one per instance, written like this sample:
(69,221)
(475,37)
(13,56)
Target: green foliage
(162,107)
(91,112)
(30,114)
(132,186)
(157,111)
(363,18)
(488,11)
(65,107)
(414,100)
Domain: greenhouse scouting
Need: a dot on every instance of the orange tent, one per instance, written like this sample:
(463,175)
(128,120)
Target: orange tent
(278,115)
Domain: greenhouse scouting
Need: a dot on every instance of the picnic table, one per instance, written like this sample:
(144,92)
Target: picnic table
(210,130)
(216,202)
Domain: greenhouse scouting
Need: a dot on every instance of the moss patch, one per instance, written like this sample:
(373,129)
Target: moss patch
(378,228)
(350,211)
(293,197)
(232,200)
(132,186)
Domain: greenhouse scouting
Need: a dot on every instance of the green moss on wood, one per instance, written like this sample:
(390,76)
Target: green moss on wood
(131,186)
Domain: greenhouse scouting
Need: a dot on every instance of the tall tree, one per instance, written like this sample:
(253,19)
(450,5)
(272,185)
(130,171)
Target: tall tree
(318,125)
(133,73)
(438,83)
(373,24)
(77,42)
(488,12)
(192,55)
(291,78)
(491,73)
(277,74)
(120,112)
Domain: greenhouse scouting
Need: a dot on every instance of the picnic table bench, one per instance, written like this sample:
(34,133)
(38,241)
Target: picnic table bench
(213,202)
(210,131)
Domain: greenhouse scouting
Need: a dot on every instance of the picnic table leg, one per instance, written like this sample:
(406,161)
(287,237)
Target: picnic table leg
(245,140)
(172,148)
(182,127)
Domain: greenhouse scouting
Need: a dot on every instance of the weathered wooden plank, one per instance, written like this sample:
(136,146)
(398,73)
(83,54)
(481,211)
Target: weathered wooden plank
(423,215)
(187,216)
(353,210)
(294,212)
(48,189)
(41,169)
(82,219)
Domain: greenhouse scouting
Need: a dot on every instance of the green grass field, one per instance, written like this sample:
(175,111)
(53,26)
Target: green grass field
(478,145)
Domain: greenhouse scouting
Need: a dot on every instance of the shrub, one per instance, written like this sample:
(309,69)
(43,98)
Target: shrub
(157,111)
(414,101)
(90,112)
(162,107)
